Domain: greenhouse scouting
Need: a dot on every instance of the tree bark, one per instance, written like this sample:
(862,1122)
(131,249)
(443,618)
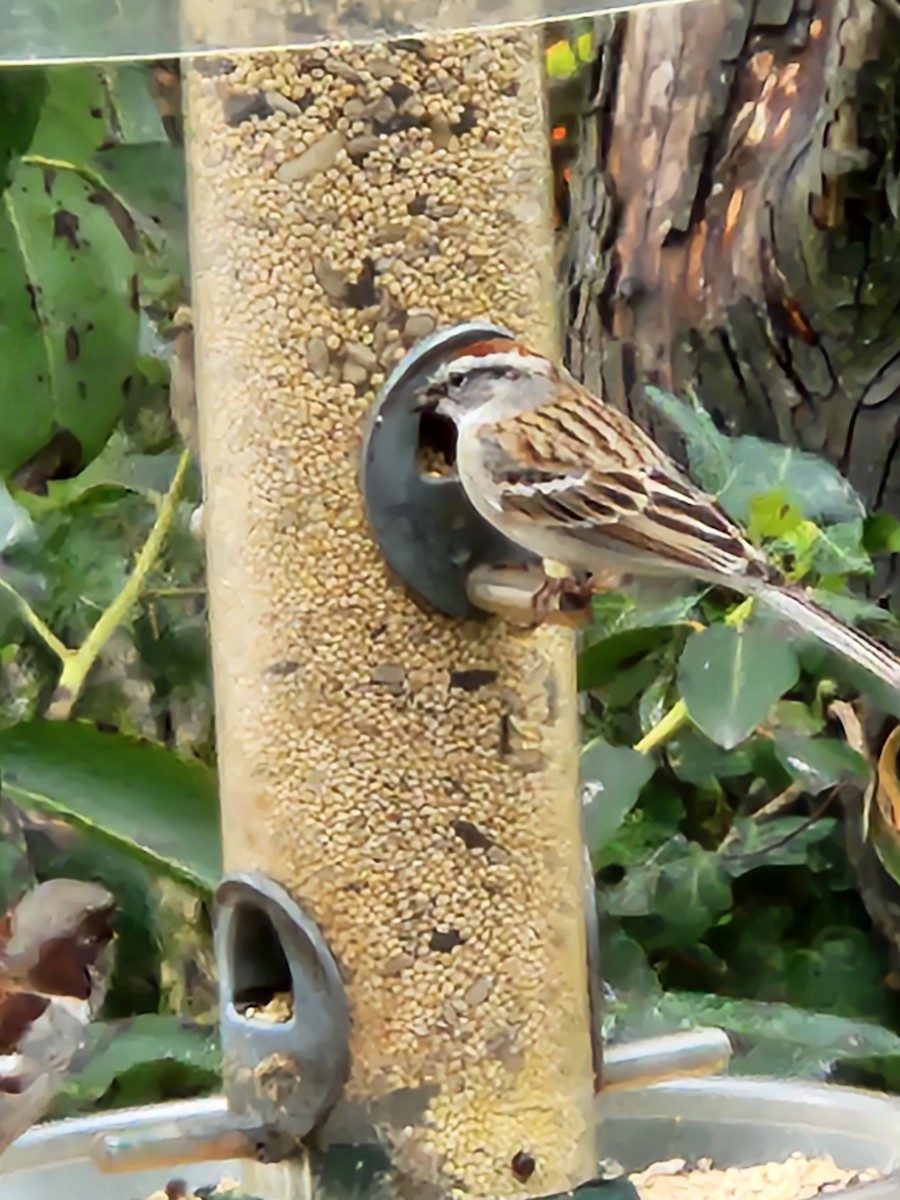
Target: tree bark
(735,224)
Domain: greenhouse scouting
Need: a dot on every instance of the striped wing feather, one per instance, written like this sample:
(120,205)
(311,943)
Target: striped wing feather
(597,477)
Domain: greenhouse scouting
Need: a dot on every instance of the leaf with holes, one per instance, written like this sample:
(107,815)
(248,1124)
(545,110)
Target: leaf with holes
(69,334)
(150,178)
(729,679)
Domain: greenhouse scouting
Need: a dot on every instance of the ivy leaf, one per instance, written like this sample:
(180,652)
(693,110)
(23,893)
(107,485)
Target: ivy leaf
(852,608)
(611,781)
(779,1039)
(124,1057)
(644,829)
(782,842)
(819,763)
(679,893)
(794,716)
(729,679)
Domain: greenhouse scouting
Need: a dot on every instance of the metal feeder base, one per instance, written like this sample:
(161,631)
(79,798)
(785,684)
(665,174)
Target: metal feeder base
(737,1122)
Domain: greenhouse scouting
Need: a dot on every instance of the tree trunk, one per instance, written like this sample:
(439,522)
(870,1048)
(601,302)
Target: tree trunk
(734,224)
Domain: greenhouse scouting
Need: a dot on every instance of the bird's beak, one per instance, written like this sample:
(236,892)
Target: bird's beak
(429,399)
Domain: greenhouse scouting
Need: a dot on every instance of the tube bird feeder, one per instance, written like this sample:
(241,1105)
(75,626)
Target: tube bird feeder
(410,780)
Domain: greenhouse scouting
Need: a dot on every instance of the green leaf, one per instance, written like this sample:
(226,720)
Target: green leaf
(140,796)
(649,824)
(810,483)
(779,1039)
(604,659)
(68,338)
(729,679)
(738,470)
(841,972)
(641,606)
(74,120)
(881,534)
(611,781)
(15,523)
(796,717)
(678,893)
(143,1049)
(772,516)
(137,117)
(839,550)
(697,759)
(150,178)
(116,467)
(780,842)
(22,94)
(655,702)
(709,452)
(852,608)
(82,555)
(819,763)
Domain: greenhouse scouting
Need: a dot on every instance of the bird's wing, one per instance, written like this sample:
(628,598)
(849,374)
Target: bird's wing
(587,471)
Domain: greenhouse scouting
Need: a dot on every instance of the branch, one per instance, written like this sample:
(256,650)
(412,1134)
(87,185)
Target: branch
(77,664)
(44,632)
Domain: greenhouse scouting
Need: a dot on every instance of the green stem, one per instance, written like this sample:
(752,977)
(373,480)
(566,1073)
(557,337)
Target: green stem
(44,632)
(664,729)
(78,664)
(677,717)
(86,173)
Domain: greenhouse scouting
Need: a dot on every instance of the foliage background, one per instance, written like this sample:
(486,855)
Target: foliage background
(746,850)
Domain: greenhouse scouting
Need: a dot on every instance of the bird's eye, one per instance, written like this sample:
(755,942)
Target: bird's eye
(456,379)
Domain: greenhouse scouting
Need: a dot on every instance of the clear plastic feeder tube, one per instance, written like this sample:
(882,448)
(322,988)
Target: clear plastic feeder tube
(409,779)
(67,30)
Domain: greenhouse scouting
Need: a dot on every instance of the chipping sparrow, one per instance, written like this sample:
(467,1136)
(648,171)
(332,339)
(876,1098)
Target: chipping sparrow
(576,482)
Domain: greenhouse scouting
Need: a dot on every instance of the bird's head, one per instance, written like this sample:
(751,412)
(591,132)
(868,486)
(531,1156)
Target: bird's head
(488,381)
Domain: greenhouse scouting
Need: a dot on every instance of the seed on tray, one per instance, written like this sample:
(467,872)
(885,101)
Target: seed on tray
(797,1178)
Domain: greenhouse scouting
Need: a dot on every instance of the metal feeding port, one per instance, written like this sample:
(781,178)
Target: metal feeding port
(284,1021)
(426,529)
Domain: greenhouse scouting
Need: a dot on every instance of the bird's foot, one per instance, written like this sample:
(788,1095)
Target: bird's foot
(526,595)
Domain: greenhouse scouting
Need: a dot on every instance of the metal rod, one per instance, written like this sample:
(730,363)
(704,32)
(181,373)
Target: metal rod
(675,1055)
(221,1136)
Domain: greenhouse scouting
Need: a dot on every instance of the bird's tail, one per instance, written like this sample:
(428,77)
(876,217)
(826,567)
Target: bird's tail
(859,648)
